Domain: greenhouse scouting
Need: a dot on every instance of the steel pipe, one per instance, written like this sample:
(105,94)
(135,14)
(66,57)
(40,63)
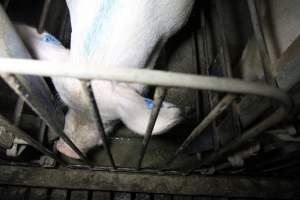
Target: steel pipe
(160,94)
(218,110)
(95,112)
(261,42)
(44,15)
(142,76)
(24,89)
(8,127)
(5,4)
(273,119)
(33,90)
(18,111)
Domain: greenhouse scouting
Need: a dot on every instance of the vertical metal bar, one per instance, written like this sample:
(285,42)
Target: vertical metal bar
(8,127)
(160,94)
(18,111)
(273,119)
(218,110)
(21,86)
(198,71)
(206,71)
(5,4)
(98,120)
(261,42)
(63,25)
(226,59)
(42,132)
(32,89)
(224,50)
(44,15)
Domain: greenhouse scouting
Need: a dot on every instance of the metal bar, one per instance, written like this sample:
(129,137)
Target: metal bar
(241,155)
(233,186)
(44,14)
(218,110)
(5,4)
(225,62)
(198,71)
(23,88)
(8,127)
(95,112)
(63,25)
(159,96)
(208,96)
(33,90)
(261,42)
(224,50)
(288,73)
(18,111)
(275,118)
(142,76)
(42,132)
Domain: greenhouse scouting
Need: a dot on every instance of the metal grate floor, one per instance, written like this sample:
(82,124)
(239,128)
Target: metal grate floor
(23,193)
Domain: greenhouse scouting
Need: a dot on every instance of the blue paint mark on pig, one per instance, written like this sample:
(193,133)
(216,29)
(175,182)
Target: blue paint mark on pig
(94,34)
(149,103)
(48,38)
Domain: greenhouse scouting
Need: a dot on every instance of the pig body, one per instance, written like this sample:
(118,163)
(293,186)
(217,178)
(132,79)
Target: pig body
(116,33)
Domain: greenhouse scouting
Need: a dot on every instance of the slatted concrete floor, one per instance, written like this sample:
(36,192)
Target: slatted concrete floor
(21,193)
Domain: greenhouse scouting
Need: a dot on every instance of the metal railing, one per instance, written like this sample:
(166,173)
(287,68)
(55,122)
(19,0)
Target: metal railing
(12,71)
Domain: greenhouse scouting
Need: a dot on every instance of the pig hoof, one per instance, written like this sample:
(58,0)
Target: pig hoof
(64,149)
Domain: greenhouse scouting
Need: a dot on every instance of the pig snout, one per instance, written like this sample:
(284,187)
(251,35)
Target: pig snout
(81,130)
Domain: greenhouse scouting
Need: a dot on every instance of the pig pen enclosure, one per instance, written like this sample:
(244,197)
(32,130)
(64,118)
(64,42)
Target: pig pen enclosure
(232,70)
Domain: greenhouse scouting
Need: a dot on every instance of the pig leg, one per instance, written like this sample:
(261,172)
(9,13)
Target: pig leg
(135,111)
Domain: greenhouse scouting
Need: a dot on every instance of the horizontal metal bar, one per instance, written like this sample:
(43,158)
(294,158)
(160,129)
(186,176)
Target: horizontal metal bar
(95,112)
(219,109)
(159,96)
(142,76)
(268,188)
(8,127)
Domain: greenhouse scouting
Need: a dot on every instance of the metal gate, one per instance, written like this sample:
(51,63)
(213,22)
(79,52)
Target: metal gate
(21,74)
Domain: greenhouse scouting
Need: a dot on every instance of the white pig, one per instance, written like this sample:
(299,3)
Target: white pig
(115,33)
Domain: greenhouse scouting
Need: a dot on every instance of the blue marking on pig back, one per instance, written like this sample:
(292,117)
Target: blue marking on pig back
(102,19)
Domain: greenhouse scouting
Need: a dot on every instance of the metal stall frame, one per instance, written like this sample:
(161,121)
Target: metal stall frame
(163,81)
